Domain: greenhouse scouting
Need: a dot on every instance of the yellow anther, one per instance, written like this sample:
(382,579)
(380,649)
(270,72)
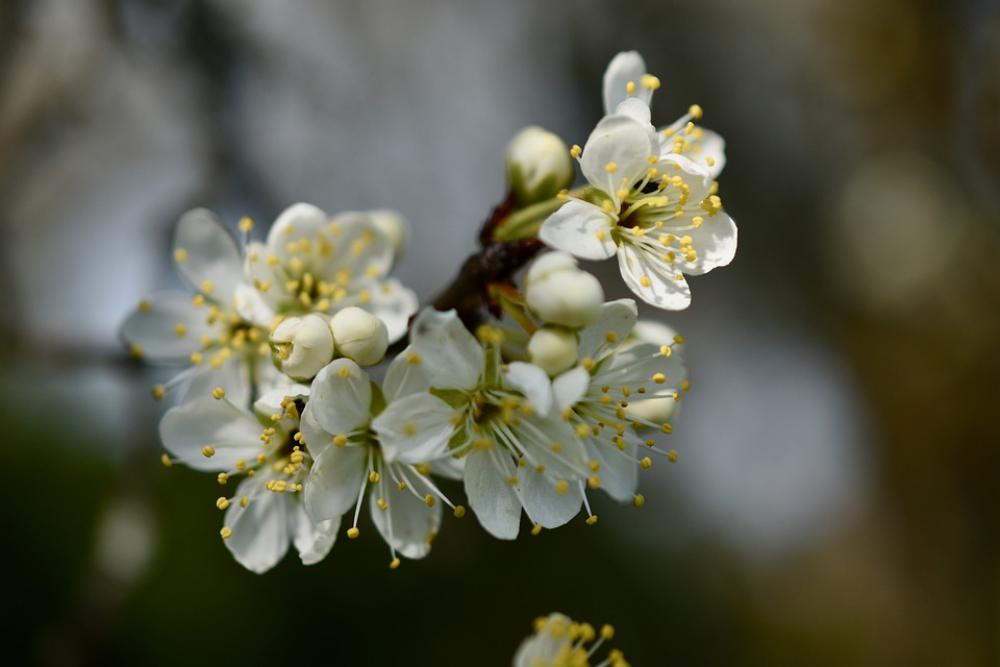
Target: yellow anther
(429,500)
(165,460)
(340,440)
(582,430)
(207,286)
(600,235)
(222,478)
(592,519)
(646,463)
(159,392)
(262,459)
(218,393)
(556,447)
(413,358)
(649,82)
(562,487)
(666,428)
(644,281)
(226,532)
(222,503)
(197,358)
(630,87)
(135,351)
(607,632)
(244,501)
(595,465)
(611,167)
(394,564)
(374,477)
(594,481)
(659,378)
(246,224)
(587,363)
(695,111)
(423,469)
(679,339)
(409,429)
(576,151)
(666,350)
(352,533)
(180,255)
(144,306)
(697,221)
(459,511)
(512,480)
(382,505)
(639,500)
(672,456)
(685,385)
(208,451)
(536,529)
(241,464)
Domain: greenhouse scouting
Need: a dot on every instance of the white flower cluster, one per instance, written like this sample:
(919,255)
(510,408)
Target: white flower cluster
(559,641)
(563,395)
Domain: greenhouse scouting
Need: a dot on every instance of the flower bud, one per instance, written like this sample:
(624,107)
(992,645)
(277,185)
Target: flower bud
(560,293)
(538,165)
(301,346)
(393,226)
(360,336)
(657,410)
(553,349)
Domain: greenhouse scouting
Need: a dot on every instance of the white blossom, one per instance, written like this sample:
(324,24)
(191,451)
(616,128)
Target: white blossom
(559,641)
(538,165)
(651,200)
(336,426)
(495,416)
(553,349)
(266,513)
(202,330)
(314,263)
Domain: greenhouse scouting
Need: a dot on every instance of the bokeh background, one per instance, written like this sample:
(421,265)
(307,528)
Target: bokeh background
(837,497)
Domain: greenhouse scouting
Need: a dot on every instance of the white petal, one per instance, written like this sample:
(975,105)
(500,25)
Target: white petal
(635,108)
(532,382)
(710,147)
(624,67)
(570,387)
(313,541)
(252,306)
(415,429)
(358,245)
(334,481)
(538,435)
(492,499)
(714,242)
(666,288)
(611,326)
(297,221)
(448,467)
(341,397)
(211,254)
(451,356)
(261,530)
(581,229)
(270,401)
(619,475)
(233,376)
(408,525)
(153,327)
(234,434)
(626,143)
(543,504)
(404,376)
(394,304)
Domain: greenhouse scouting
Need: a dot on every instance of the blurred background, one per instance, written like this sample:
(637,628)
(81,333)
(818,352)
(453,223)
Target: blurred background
(836,497)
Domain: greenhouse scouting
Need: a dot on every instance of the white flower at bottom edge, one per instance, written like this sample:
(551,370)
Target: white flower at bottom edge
(266,513)
(495,417)
(559,641)
(336,426)
(616,371)
(202,329)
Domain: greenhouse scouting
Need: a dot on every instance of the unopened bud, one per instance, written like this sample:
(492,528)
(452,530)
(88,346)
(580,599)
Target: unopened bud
(538,165)
(301,346)
(553,349)
(560,293)
(656,410)
(360,336)
(393,226)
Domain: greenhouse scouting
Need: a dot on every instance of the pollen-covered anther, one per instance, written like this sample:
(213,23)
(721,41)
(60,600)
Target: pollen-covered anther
(165,460)
(340,440)
(459,511)
(394,563)
(659,378)
(576,151)
(226,532)
(591,520)
(353,532)
(611,167)
(536,529)
(218,393)
(594,481)
(222,502)
(159,392)
(638,500)
(429,500)
(382,505)
(208,451)
(646,463)
(562,487)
